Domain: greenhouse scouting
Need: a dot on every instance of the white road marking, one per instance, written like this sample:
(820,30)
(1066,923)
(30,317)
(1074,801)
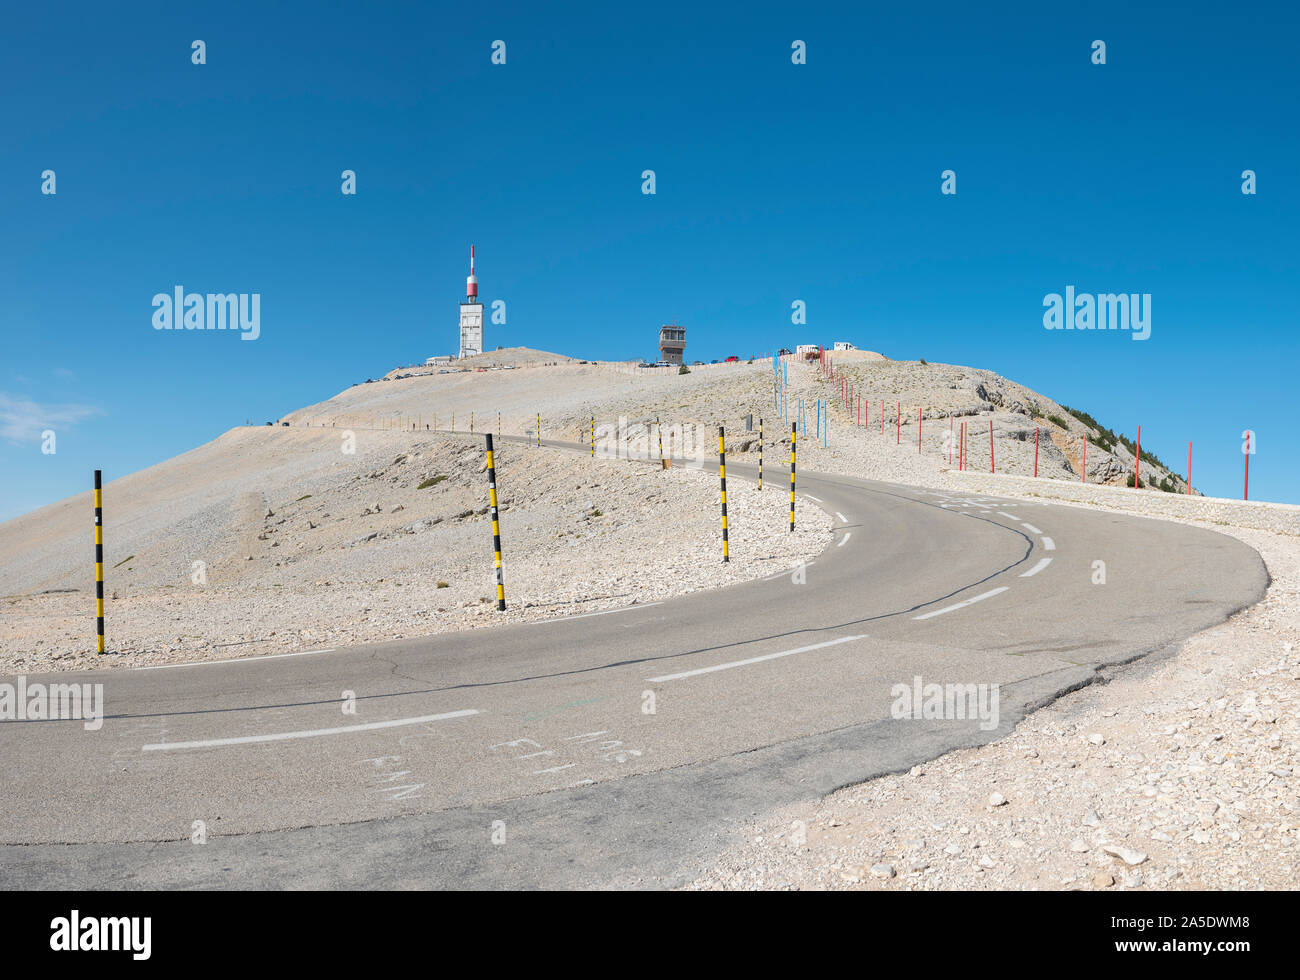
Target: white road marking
(1030,528)
(1042,563)
(752,660)
(1006,515)
(961,605)
(234,660)
(841,517)
(847,535)
(601,612)
(811,497)
(1048,544)
(312,733)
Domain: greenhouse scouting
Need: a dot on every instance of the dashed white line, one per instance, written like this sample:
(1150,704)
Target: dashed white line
(847,535)
(962,605)
(1010,517)
(1048,544)
(753,660)
(841,517)
(1030,528)
(811,497)
(1042,563)
(234,660)
(312,733)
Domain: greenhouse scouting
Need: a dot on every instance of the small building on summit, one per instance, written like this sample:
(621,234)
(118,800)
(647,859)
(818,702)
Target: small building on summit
(672,343)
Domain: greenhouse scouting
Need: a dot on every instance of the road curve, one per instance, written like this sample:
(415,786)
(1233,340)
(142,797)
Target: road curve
(607,750)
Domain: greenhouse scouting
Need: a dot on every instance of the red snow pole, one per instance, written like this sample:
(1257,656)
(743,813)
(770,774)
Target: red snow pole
(1035,451)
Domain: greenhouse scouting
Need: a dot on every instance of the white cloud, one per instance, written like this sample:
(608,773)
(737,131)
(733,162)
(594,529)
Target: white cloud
(22,420)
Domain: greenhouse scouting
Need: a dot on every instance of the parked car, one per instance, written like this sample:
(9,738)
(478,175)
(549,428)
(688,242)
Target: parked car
(783,351)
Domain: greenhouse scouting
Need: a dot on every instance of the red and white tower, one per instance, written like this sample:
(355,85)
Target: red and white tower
(471,315)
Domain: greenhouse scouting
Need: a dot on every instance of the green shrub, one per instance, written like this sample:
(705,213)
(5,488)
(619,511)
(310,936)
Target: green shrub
(683,370)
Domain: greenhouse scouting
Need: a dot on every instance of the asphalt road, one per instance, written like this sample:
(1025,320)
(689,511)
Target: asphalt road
(608,750)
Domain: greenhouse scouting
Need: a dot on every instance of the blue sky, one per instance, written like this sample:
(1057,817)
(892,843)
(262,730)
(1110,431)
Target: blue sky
(775,182)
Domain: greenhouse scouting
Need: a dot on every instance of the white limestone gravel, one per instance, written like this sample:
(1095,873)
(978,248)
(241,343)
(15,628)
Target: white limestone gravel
(304,547)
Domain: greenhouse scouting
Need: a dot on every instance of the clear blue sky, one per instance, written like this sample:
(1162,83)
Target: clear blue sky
(776,182)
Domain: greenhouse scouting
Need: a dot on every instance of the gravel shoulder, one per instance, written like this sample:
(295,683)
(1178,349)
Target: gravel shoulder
(272,540)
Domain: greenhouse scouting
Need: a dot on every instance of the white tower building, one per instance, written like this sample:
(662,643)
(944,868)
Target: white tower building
(471,315)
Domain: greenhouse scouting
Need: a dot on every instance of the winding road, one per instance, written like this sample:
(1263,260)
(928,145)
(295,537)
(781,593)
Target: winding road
(614,749)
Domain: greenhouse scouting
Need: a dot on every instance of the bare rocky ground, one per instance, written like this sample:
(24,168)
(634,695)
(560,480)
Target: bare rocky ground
(522,387)
(304,547)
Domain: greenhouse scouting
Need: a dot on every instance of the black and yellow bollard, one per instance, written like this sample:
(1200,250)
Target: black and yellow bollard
(539,428)
(660,430)
(722,470)
(760,453)
(471,423)
(794,432)
(99,563)
(593,437)
(496,525)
